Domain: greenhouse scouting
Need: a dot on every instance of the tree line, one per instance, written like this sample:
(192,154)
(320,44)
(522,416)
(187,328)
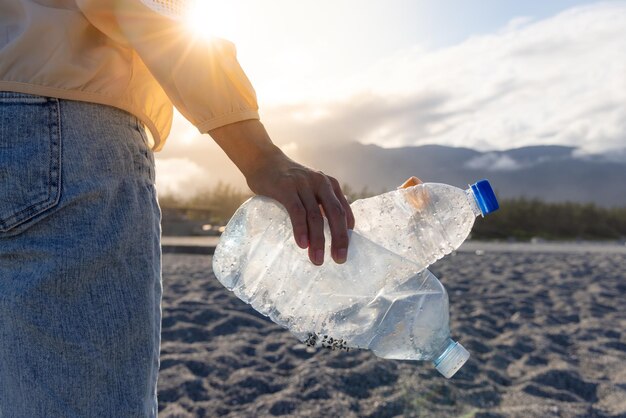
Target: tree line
(524,219)
(519,219)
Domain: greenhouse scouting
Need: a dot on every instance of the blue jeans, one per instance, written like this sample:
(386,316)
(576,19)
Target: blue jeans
(80,261)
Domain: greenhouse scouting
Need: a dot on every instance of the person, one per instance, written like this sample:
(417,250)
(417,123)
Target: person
(87,90)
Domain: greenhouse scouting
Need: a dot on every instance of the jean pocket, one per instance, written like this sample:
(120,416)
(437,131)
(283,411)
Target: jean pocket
(30,159)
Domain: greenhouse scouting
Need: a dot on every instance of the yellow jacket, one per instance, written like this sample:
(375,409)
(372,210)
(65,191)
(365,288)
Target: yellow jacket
(124,54)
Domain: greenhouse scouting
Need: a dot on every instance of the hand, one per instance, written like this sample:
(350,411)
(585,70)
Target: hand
(302,191)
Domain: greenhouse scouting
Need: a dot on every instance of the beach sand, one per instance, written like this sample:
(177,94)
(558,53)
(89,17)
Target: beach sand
(547,335)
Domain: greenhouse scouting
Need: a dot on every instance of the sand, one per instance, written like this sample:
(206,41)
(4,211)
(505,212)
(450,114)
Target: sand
(547,334)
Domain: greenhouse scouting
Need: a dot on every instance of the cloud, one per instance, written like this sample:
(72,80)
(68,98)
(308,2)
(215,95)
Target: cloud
(365,117)
(557,81)
(493,162)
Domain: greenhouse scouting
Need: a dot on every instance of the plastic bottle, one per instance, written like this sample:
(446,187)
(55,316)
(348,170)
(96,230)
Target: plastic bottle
(379,299)
(424,222)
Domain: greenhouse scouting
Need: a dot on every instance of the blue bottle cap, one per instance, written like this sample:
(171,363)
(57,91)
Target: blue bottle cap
(485,197)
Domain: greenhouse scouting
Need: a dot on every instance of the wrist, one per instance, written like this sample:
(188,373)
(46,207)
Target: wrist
(248,145)
(260,158)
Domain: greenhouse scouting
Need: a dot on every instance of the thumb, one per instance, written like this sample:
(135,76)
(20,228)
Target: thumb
(411,181)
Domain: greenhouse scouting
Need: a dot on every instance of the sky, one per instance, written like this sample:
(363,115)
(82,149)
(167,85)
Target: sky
(488,75)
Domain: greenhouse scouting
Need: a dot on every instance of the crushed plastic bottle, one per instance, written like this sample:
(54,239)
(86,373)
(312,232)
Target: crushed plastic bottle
(382,298)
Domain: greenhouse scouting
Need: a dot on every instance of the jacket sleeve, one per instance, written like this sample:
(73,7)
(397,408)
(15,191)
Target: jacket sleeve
(202,78)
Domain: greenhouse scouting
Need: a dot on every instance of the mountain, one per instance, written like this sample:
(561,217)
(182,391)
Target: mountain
(550,173)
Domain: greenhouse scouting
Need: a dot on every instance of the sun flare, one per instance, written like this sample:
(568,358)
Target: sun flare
(212,19)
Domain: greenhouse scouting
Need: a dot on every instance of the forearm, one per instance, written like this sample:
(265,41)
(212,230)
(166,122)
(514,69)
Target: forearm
(247,144)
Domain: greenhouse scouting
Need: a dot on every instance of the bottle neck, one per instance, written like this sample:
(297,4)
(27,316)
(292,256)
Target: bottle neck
(452,356)
(443,350)
(471,198)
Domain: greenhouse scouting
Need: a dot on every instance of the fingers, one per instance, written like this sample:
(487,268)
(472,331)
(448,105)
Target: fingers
(298,216)
(320,196)
(344,202)
(315,225)
(337,221)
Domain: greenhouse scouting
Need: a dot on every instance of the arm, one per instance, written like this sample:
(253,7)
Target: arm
(299,189)
(207,85)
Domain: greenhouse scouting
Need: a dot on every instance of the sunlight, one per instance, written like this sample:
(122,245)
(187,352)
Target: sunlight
(212,19)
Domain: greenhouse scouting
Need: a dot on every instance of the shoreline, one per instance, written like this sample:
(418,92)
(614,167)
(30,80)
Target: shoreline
(205,245)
